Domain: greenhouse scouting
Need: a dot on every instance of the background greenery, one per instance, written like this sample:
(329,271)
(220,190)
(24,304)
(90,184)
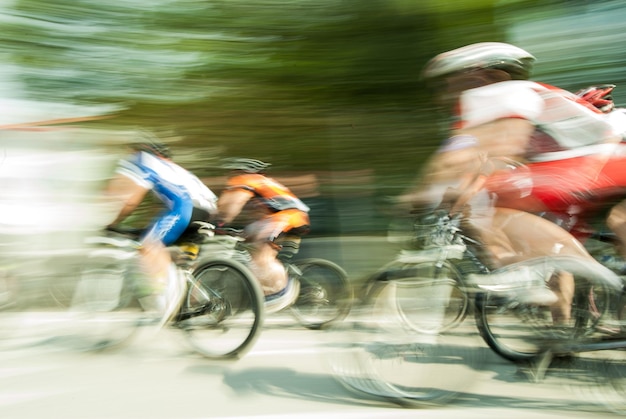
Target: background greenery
(323,86)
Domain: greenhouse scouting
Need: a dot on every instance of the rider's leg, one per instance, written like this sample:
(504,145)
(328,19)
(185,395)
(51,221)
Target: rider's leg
(533,236)
(289,244)
(281,230)
(616,221)
(514,236)
(269,271)
(167,283)
(156,263)
(562,284)
(521,236)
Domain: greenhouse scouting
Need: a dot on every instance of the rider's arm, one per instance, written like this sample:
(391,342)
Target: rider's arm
(129,186)
(127,193)
(231,203)
(467,192)
(504,137)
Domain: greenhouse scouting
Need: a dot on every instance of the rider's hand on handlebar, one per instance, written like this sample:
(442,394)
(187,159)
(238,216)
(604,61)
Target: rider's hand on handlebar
(228,231)
(451,202)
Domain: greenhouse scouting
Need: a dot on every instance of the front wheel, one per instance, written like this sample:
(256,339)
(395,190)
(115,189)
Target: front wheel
(99,315)
(222,313)
(380,354)
(428,296)
(520,331)
(325,293)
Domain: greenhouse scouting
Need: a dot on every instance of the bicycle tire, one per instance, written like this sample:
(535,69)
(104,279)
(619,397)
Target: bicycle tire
(233,321)
(380,356)
(519,332)
(61,291)
(99,317)
(325,296)
(414,307)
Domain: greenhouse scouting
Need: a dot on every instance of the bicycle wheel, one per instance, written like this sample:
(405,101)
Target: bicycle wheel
(222,313)
(381,356)
(445,305)
(520,331)
(62,289)
(325,293)
(98,315)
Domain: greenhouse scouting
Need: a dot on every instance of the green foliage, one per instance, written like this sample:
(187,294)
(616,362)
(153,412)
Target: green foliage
(310,85)
(323,85)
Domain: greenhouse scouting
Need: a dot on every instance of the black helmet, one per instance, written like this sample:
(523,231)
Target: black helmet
(150,143)
(245,165)
(497,55)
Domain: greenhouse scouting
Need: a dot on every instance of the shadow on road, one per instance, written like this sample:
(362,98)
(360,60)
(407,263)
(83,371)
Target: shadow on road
(285,382)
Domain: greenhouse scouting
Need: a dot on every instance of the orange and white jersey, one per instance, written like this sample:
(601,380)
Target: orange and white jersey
(273,194)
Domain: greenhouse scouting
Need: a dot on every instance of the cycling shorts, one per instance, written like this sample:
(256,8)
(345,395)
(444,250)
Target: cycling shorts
(273,225)
(170,225)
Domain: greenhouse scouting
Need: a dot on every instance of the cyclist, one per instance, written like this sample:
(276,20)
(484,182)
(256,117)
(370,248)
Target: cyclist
(280,221)
(570,141)
(497,112)
(149,167)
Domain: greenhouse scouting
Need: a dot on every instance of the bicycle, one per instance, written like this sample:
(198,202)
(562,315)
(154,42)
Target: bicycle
(88,283)
(325,294)
(221,311)
(410,317)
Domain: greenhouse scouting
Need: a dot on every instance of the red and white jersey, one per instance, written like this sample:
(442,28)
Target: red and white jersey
(617,119)
(577,127)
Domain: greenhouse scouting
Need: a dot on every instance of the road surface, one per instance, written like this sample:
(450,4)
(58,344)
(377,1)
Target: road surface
(286,375)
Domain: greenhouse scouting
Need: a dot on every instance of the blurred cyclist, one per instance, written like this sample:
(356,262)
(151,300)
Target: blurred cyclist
(186,199)
(570,141)
(281,220)
(496,112)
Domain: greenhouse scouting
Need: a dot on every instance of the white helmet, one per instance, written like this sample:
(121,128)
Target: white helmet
(515,61)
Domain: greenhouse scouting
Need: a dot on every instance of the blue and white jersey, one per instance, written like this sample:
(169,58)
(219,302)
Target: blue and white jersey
(171,183)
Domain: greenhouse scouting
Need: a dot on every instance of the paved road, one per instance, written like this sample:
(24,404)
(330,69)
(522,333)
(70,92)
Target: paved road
(286,375)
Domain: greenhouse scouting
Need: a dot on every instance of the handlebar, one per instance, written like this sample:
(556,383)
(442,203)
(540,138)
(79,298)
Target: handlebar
(207,229)
(229,231)
(438,228)
(211,229)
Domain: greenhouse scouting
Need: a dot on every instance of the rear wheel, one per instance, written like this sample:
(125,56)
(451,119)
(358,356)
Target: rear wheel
(520,331)
(384,357)
(325,293)
(223,311)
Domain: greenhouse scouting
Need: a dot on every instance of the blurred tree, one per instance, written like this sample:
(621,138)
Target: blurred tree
(310,85)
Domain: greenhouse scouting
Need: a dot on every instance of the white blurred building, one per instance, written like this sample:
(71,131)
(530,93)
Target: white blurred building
(51,184)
